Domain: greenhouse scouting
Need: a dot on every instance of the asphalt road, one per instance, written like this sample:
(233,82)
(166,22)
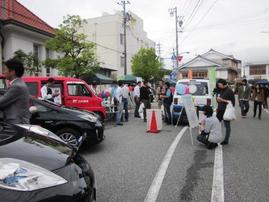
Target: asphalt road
(126,163)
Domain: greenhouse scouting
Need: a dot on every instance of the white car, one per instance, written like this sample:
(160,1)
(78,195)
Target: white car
(201,94)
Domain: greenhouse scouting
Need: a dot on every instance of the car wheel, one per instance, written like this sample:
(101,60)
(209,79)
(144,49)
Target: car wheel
(100,116)
(69,135)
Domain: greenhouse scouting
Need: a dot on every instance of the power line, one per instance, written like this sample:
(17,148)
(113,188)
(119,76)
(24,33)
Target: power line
(201,19)
(194,12)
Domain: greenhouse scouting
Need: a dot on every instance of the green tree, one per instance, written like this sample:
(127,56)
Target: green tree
(31,63)
(78,54)
(146,64)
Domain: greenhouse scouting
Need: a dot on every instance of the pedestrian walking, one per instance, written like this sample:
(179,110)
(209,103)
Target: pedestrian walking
(266,94)
(167,101)
(225,96)
(258,98)
(210,129)
(244,95)
(15,102)
(160,92)
(125,98)
(136,95)
(117,99)
(46,91)
(145,98)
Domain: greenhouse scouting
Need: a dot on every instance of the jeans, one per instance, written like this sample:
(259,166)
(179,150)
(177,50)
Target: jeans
(137,104)
(147,106)
(227,125)
(244,105)
(167,112)
(119,112)
(125,108)
(256,104)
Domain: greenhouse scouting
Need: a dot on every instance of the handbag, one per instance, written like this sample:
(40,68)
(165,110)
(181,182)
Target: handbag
(229,113)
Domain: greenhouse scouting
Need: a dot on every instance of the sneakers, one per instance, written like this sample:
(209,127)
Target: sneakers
(119,124)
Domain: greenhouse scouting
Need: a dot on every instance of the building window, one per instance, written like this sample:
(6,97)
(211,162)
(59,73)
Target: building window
(48,71)
(122,61)
(47,57)
(199,74)
(257,70)
(121,39)
(36,54)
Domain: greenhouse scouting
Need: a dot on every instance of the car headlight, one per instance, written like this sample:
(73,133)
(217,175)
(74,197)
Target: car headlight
(24,176)
(89,117)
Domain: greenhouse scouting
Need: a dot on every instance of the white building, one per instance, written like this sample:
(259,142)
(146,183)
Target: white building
(20,29)
(256,70)
(107,32)
(227,67)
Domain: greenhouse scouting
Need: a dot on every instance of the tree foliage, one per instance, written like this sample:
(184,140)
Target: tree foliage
(146,64)
(78,55)
(31,63)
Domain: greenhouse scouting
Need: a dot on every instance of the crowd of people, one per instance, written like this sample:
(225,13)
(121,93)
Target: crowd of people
(211,129)
(14,103)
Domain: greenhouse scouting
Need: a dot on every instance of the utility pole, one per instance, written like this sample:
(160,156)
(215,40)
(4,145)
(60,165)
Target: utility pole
(158,50)
(179,22)
(123,3)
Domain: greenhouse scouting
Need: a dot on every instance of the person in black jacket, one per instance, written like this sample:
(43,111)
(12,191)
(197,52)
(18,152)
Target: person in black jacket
(14,104)
(225,96)
(145,98)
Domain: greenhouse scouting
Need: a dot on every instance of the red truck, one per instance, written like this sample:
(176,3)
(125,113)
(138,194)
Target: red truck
(73,92)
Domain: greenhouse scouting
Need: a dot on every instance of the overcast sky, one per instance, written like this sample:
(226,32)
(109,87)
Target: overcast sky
(238,27)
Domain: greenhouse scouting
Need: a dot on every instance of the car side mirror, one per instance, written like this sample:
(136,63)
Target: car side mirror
(33,109)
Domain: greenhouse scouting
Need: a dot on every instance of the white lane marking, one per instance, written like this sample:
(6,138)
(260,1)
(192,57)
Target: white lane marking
(154,189)
(217,194)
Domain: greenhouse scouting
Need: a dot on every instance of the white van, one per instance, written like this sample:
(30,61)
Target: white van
(201,94)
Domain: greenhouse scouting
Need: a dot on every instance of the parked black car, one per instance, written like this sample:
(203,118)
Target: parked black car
(37,167)
(68,124)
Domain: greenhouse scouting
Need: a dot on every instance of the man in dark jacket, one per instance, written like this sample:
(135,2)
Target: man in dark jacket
(244,93)
(225,96)
(15,102)
(145,98)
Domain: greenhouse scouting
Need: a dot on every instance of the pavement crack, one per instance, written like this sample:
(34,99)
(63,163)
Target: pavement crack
(193,174)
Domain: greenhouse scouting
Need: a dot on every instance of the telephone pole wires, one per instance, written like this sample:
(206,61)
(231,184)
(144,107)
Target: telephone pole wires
(179,23)
(123,3)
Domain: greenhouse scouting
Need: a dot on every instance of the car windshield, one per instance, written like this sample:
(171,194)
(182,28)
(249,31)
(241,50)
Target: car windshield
(197,88)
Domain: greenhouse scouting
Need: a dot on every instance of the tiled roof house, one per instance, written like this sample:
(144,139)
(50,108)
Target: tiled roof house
(21,29)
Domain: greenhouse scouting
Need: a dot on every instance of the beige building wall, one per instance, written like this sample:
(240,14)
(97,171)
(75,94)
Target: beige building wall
(107,32)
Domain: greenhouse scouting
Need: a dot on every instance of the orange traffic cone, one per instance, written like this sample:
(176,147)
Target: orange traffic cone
(153,124)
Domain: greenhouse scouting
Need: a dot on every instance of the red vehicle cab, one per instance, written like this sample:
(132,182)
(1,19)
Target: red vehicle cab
(73,92)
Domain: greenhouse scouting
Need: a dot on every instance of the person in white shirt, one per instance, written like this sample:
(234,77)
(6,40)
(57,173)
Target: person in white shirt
(46,91)
(118,103)
(125,97)
(137,98)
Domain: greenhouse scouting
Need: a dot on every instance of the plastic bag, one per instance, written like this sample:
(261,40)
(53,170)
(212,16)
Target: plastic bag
(229,113)
(141,108)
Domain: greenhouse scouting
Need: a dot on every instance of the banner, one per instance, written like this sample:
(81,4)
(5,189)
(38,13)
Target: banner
(212,76)
(190,110)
